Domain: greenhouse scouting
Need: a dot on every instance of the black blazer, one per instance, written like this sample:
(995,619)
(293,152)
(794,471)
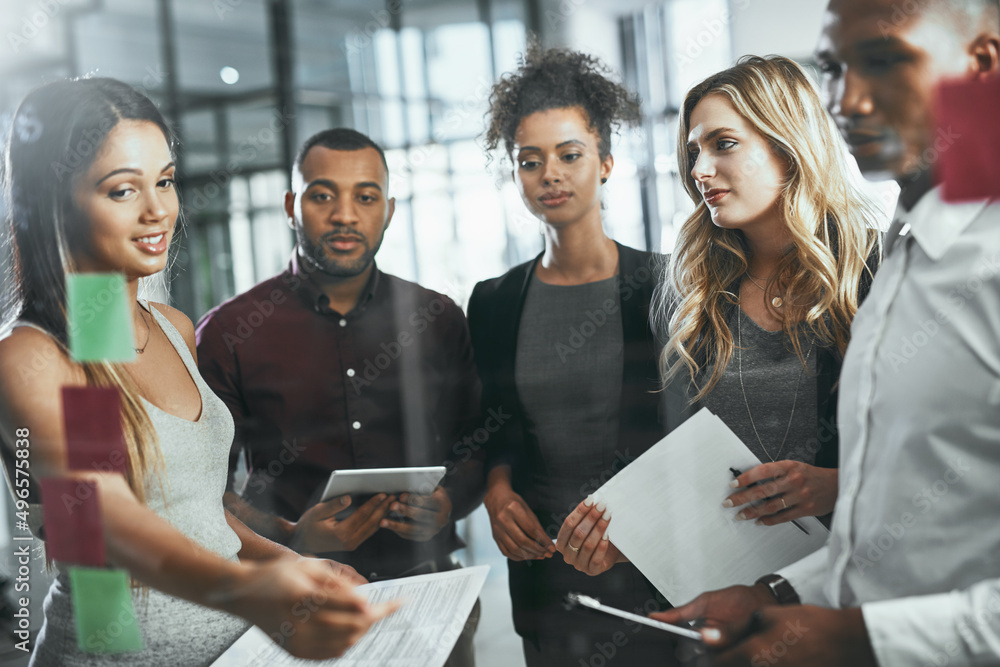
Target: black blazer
(537,587)
(494,321)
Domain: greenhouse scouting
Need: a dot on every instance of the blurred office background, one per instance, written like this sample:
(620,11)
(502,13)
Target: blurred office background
(246,81)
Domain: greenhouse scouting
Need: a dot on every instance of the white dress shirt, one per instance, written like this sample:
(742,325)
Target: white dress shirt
(915,540)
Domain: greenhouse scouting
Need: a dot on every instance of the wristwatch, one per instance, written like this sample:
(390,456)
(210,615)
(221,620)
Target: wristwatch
(780,588)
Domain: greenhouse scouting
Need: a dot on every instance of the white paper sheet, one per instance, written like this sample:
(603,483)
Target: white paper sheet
(421,634)
(667,515)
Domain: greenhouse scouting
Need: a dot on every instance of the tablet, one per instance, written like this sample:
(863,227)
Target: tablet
(369,481)
(576,599)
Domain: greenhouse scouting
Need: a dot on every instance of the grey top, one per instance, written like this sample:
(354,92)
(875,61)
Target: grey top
(175,632)
(568,373)
(773,378)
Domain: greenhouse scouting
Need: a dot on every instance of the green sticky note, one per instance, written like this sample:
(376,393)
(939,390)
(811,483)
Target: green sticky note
(105,615)
(100,326)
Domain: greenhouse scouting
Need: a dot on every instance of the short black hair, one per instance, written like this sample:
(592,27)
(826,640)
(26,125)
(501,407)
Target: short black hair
(338,139)
(558,79)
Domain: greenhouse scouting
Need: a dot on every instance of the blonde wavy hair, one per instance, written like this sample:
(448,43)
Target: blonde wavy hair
(833,225)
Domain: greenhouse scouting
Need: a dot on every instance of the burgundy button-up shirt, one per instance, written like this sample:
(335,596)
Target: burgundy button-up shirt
(391,383)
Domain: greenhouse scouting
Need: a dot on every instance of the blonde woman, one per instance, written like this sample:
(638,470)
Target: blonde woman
(205,576)
(756,302)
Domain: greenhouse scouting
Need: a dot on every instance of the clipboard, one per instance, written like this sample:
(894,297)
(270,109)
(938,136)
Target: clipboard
(580,600)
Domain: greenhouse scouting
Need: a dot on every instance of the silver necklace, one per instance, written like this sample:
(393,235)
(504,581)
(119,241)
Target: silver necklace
(149,333)
(795,398)
(777,301)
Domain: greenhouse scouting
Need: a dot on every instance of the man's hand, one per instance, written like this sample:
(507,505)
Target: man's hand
(426,515)
(318,531)
(725,614)
(802,635)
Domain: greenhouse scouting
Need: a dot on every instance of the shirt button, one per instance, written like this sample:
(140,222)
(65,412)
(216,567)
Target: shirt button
(356,425)
(350,372)
(343,322)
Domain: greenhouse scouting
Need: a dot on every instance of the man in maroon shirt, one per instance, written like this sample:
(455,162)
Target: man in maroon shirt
(334,364)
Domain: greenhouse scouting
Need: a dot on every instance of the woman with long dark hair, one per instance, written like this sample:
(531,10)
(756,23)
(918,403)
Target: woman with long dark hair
(89,180)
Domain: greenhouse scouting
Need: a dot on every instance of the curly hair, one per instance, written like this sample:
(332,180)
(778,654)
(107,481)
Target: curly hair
(557,79)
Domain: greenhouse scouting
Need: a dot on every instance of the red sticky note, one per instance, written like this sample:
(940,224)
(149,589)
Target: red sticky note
(94,440)
(966,148)
(73,529)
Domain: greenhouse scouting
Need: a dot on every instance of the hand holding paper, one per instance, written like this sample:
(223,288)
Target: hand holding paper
(325,613)
(583,539)
(691,543)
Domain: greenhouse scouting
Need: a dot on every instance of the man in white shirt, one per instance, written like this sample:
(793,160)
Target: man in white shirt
(911,572)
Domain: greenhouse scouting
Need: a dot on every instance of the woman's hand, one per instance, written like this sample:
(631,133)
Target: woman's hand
(303,605)
(516,529)
(583,539)
(789,490)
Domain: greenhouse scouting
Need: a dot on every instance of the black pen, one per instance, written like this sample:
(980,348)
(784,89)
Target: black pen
(737,473)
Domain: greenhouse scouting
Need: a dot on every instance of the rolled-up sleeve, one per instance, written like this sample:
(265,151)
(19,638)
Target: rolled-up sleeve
(958,628)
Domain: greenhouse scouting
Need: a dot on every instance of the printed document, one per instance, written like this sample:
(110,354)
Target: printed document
(422,633)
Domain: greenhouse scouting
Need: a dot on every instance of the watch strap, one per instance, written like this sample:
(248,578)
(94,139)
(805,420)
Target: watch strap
(780,588)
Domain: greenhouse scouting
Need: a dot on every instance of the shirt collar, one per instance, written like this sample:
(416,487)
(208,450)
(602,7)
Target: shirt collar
(314,296)
(937,224)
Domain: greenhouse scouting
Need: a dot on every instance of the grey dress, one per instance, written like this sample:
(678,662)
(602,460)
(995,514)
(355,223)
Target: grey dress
(175,632)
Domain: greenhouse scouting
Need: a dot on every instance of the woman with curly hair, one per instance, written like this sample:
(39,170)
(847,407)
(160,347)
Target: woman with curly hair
(564,346)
